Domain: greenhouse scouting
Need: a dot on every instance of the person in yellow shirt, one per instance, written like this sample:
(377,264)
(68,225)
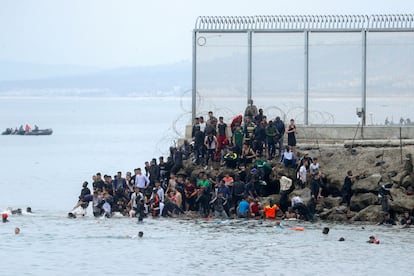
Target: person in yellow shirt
(270,210)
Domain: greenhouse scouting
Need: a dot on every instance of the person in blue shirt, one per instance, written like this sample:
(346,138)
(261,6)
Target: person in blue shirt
(243,210)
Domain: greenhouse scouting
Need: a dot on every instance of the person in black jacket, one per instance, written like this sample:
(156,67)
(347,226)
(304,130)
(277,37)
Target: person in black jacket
(280,126)
(347,188)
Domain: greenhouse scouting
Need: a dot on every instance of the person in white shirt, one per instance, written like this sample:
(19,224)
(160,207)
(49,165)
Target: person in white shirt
(299,207)
(314,167)
(202,124)
(302,175)
(288,158)
(141,181)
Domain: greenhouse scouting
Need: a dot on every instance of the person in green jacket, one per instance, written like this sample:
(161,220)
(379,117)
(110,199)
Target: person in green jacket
(272,135)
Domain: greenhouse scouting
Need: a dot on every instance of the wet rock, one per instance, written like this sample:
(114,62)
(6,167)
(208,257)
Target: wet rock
(361,201)
(265,200)
(195,170)
(350,214)
(369,184)
(372,214)
(407,181)
(340,217)
(324,214)
(379,163)
(392,173)
(335,214)
(401,201)
(330,202)
(334,184)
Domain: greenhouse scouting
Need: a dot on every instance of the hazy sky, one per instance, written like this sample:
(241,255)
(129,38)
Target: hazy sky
(111,33)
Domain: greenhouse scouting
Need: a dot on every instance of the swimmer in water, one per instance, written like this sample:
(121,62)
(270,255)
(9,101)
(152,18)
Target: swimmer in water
(140,235)
(4,217)
(71,215)
(325,230)
(17,230)
(372,239)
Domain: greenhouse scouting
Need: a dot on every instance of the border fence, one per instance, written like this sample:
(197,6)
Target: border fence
(318,69)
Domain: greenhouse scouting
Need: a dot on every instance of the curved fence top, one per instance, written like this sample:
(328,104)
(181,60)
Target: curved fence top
(306,22)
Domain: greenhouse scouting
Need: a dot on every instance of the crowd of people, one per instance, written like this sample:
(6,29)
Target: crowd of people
(236,166)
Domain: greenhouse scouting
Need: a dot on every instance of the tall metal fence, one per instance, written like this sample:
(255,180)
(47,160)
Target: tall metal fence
(317,69)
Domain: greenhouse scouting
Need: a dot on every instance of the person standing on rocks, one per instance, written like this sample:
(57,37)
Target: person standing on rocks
(286,188)
(347,188)
(291,133)
(280,126)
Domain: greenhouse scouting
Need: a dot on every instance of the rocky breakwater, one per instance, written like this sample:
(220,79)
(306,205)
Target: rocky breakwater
(375,166)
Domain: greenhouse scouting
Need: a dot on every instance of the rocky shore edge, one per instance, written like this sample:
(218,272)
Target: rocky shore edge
(377,163)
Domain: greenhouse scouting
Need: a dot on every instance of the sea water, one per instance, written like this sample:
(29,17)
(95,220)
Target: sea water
(119,134)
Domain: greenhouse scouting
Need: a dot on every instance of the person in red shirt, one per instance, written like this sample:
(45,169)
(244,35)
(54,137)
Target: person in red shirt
(270,210)
(255,208)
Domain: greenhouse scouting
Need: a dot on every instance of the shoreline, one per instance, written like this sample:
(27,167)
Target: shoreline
(328,208)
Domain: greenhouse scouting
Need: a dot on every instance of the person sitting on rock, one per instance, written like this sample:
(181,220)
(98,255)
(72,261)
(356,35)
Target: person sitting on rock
(255,208)
(407,220)
(230,159)
(243,210)
(288,158)
(270,210)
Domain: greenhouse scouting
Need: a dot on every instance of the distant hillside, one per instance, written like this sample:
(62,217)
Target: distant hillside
(126,81)
(15,71)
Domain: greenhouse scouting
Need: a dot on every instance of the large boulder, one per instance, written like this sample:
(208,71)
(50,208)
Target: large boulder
(265,200)
(401,201)
(335,216)
(361,201)
(323,214)
(327,203)
(372,213)
(339,213)
(334,182)
(407,181)
(330,202)
(368,184)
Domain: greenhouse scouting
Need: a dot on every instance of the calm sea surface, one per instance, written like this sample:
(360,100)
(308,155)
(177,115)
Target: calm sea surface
(111,134)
